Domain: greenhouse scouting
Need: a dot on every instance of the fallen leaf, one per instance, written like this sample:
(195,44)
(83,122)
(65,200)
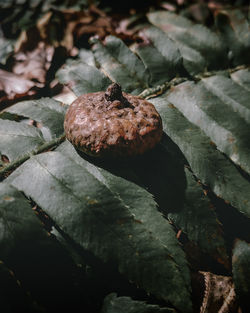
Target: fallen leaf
(66,96)
(219,294)
(33,65)
(200,12)
(128,28)
(168,6)
(13,84)
(102,26)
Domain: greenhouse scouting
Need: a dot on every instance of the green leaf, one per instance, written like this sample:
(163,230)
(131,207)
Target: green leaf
(197,37)
(13,297)
(87,57)
(110,212)
(82,78)
(39,262)
(168,55)
(218,120)
(46,111)
(193,61)
(235,96)
(241,269)
(159,68)
(234,29)
(17,139)
(161,56)
(114,304)
(99,221)
(6,48)
(198,220)
(207,163)
(122,66)
(242,77)
(140,202)
(15,214)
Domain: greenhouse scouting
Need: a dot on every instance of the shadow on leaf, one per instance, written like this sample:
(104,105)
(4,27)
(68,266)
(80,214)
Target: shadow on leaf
(159,171)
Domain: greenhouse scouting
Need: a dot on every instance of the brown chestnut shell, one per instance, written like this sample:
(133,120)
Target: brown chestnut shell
(102,126)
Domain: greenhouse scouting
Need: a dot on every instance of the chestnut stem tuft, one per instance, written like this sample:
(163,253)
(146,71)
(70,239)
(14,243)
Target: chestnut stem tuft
(114,92)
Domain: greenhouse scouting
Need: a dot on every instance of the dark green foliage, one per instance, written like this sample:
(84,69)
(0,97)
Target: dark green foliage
(125,214)
(113,304)
(241,271)
(86,78)
(198,220)
(18,139)
(242,78)
(38,261)
(13,297)
(222,121)
(207,163)
(234,30)
(196,37)
(48,112)
(121,65)
(99,221)
(6,49)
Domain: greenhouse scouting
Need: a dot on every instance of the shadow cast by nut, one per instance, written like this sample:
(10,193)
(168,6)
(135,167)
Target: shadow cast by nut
(159,170)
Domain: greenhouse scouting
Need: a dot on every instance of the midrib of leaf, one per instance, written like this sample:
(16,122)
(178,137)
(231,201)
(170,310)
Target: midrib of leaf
(161,88)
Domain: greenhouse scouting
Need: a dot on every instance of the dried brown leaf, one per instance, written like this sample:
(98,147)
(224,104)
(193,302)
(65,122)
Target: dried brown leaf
(33,65)
(219,294)
(66,96)
(168,6)
(101,27)
(13,84)
(200,12)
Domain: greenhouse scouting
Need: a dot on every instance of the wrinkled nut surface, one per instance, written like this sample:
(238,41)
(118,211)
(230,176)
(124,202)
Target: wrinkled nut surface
(112,124)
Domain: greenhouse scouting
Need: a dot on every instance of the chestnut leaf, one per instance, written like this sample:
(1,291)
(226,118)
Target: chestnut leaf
(85,209)
(39,262)
(220,118)
(207,163)
(114,304)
